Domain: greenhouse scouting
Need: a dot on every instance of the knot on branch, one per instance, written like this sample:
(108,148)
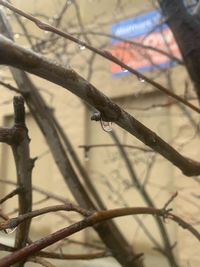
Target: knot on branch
(109,111)
(19,110)
(15,135)
(164,212)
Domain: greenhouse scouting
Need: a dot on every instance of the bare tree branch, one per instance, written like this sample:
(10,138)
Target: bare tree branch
(10,195)
(93,219)
(64,256)
(19,57)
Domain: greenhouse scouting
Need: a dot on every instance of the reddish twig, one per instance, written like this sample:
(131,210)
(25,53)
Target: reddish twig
(95,218)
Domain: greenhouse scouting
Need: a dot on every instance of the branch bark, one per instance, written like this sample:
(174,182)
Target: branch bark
(19,57)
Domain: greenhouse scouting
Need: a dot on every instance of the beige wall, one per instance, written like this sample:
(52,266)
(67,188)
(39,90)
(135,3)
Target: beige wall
(105,165)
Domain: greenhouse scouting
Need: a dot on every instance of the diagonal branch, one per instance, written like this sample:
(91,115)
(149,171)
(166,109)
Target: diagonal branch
(95,218)
(104,54)
(19,57)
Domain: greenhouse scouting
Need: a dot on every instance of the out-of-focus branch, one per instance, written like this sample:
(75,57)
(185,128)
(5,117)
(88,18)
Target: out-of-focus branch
(39,190)
(10,195)
(186,30)
(78,164)
(88,147)
(10,87)
(18,57)
(135,44)
(104,54)
(63,256)
(166,249)
(41,261)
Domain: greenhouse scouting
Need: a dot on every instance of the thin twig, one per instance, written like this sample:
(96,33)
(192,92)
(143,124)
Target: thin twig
(11,194)
(88,147)
(170,200)
(14,222)
(63,256)
(41,261)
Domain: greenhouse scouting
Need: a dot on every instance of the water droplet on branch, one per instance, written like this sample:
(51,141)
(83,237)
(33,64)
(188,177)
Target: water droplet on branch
(10,230)
(106,126)
(124,70)
(140,79)
(81,47)
(16,35)
(86,154)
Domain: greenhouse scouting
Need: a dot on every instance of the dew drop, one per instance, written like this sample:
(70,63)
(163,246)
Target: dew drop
(55,17)
(124,70)
(16,35)
(86,154)
(10,230)
(140,79)
(82,47)
(106,126)
(69,2)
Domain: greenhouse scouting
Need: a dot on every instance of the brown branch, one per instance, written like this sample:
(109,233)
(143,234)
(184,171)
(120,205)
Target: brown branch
(41,261)
(63,256)
(148,47)
(11,194)
(104,54)
(70,80)
(9,135)
(95,218)
(10,87)
(39,190)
